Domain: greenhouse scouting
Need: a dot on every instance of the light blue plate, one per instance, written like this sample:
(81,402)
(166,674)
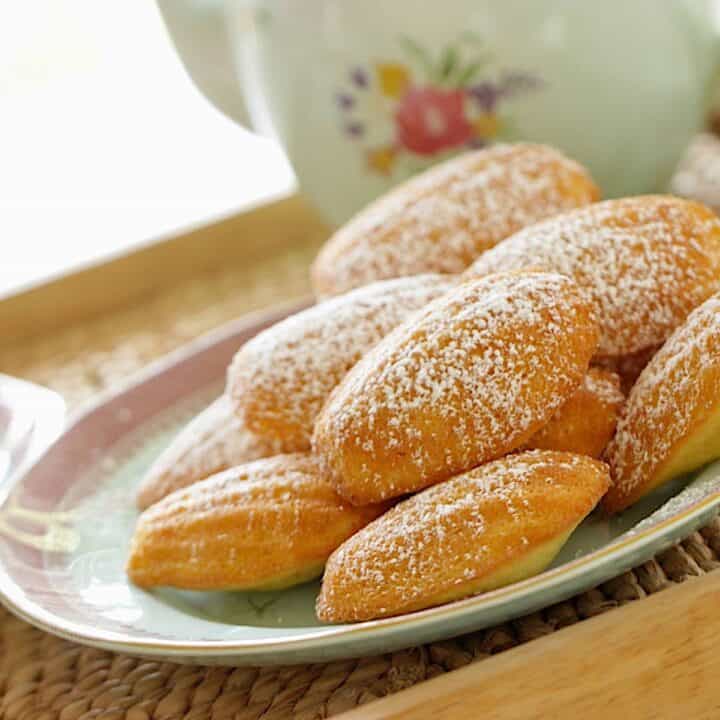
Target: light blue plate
(68,521)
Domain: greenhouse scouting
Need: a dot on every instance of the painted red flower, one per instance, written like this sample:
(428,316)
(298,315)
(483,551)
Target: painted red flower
(429,120)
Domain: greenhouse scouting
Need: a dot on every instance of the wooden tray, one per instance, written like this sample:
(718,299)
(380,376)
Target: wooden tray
(647,658)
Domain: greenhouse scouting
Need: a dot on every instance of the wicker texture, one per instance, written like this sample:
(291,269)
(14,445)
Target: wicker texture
(45,678)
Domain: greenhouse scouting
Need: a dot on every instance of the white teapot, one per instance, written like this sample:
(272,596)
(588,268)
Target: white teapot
(364,93)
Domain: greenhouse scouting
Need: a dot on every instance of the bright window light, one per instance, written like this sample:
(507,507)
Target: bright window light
(105,143)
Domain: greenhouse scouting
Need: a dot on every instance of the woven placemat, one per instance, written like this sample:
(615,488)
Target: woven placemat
(45,678)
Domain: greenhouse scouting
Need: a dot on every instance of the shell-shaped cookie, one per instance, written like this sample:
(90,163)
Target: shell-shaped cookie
(492,526)
(471,377)
(215,440)
(281,378)
(646,261)
(586,422)
(441,220)
(266,525)
(671,422)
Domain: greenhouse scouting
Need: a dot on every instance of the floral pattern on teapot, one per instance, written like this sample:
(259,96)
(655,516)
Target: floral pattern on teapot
(431,107)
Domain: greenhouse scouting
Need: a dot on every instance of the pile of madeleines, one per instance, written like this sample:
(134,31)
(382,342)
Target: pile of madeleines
(493,354)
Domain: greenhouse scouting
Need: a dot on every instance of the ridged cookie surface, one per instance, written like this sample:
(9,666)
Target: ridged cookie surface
(216,439)
(441,220)
(671,421)
(265,525)
(469,378)
(281,378)
(646,261)
(586,422)
(492,526)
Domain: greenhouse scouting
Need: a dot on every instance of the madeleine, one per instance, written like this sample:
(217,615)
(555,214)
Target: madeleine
(280,379)
(266,525)
(214,440)
(586,422)
(492,526)
(471,377)
(671,422)
(441,220)
(646,262)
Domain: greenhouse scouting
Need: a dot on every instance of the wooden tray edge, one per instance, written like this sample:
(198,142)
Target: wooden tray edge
(652,659)
(156,267)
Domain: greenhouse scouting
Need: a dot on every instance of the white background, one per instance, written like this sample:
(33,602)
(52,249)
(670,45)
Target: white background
(105,142)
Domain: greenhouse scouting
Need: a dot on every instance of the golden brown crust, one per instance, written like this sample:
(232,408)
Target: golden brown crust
(645,261)
(469,378)
(454,534)
(628,367)
(586,422)
(675,396)
(441,220)
(247,527)
(281,378)
(215,440)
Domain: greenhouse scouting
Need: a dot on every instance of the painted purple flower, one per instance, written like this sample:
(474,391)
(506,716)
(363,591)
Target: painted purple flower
(354,129)
(345,101)
(486,94)
(360,77)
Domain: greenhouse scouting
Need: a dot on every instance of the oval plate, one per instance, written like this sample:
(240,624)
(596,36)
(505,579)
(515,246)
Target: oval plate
(67,521)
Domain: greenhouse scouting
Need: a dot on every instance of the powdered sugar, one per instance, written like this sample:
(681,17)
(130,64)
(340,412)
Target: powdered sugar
(469,378)
(280,379)
(271,520)
(293,478)
(441,220)
(604,385)
(586,422)
(679,386)
(646,262)
(214,440)
(459,531)
(698,173)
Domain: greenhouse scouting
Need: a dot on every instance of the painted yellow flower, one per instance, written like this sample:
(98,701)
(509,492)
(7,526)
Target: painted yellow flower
(486,125)
(394,78)
(382,160)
